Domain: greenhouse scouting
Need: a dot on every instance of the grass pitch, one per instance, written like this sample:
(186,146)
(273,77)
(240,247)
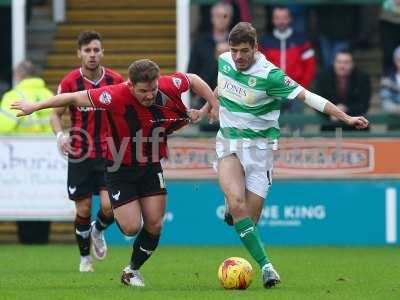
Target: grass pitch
(51,272)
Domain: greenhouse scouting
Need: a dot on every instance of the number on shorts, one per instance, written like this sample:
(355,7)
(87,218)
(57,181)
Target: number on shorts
(161,179)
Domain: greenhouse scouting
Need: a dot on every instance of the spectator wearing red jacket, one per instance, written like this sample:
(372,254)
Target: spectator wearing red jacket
(289,50)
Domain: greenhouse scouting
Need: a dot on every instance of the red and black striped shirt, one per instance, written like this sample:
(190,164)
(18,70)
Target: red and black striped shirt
(139,133)
(88,125)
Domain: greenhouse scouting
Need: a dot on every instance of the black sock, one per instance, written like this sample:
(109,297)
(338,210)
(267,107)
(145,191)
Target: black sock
(102,221)
(82,234)
(143,247)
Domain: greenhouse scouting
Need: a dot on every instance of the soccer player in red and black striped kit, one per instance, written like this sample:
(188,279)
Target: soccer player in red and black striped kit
(142,112)
(86,148)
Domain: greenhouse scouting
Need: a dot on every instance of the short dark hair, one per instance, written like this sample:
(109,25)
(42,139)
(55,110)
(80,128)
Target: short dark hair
(243,32)
(344,50)
(143,70)
(284,7)
(85,37)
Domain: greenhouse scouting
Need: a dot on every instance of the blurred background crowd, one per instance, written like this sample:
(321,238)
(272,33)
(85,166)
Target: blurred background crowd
(345,52)
(348,53)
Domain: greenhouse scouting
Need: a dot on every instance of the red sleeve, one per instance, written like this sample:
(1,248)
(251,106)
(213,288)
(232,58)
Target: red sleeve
(63,87)
(308,59)
(106,97)
(174,85)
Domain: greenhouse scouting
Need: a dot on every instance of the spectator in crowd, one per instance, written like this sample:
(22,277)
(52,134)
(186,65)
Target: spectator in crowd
(390,32)
(240,12)
(338,27)
(389,92)
(300,16)
(31,88)
(347,87)
(207,48)
(289,50)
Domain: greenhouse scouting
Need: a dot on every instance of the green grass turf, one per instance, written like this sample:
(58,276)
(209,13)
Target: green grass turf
(50,272)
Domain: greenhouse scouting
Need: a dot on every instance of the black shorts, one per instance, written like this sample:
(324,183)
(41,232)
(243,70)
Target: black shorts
(129,184)
(86,178)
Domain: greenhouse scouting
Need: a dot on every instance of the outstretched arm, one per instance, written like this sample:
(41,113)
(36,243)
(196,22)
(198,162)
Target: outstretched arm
(323,105)
(201,88)
(77,99)
(196,115)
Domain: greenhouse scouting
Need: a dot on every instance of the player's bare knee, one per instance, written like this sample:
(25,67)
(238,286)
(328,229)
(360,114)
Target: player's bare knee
(83,209)
(130,229)
(237,207)
(108,212)
(154,227)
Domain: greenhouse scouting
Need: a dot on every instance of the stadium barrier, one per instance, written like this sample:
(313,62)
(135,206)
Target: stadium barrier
(298,212)
(324,192)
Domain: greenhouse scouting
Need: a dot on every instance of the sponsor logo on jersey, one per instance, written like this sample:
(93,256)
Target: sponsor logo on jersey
(226,68)
(289,81)
(177,82)
(251,98)
(105,98)
(252,82)
(234,88)
(85,109)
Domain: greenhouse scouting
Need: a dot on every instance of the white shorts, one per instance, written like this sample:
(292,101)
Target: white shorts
(257,164)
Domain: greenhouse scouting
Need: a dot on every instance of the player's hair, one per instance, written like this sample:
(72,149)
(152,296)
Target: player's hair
(143,70)
(26,69)
(243,32)
(85,37)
